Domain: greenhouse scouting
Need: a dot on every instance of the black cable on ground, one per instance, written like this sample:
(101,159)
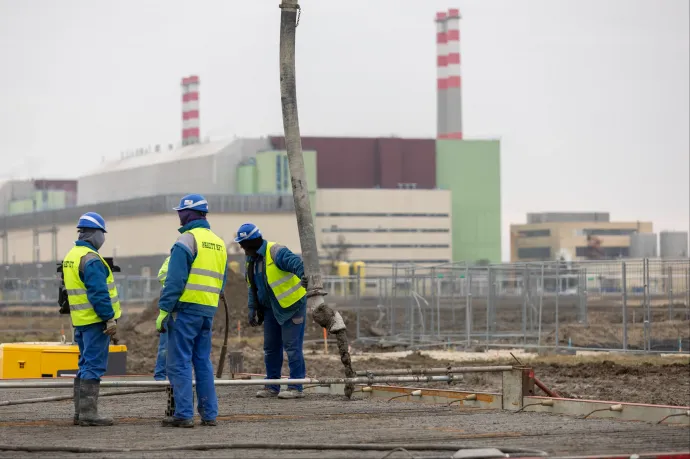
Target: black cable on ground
(264,446)
(673,415)
(397,450)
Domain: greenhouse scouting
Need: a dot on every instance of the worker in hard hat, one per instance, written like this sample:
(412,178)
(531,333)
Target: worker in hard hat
(196,276)
(94,309)
(160,372)
(277,298)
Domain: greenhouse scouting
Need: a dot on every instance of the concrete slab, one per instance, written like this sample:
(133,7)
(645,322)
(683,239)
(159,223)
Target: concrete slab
(322,419)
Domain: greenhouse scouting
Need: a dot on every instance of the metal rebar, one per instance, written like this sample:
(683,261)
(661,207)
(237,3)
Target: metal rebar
(60,398)
(260,382)
(433,371)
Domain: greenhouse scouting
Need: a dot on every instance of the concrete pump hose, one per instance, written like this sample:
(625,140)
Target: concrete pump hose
(266,446)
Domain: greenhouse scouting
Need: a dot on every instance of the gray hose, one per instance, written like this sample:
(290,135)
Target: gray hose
(60,398)
(264,446)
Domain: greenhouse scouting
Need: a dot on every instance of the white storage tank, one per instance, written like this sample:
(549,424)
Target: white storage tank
(643,245)
(673,244)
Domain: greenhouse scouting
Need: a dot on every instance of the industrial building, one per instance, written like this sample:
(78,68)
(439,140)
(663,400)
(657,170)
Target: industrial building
(577,236)
(673,244)
(24,196)
(380,200)
(376,226)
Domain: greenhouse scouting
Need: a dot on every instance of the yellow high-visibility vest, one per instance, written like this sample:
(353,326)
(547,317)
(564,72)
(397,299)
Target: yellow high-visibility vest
(81,311)
(286,286)
(206,276)
(163,272)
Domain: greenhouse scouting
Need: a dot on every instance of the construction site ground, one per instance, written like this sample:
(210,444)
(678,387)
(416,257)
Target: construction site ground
(318,420)
(324,419)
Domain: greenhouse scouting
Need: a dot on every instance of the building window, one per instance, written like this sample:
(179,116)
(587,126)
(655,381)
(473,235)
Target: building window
(608,231)
(388,246)
(335,229)
(392,262)
(379,214)
(606,252)
(535,233)
(541,253)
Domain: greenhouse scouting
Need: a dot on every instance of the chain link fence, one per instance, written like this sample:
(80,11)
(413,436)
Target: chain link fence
(641,305)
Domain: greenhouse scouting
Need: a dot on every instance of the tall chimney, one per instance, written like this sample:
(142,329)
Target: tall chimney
(453,91)
(190,110)
(441,76)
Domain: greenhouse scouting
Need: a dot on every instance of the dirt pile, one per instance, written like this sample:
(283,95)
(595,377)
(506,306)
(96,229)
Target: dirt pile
(602,333)
(667,384)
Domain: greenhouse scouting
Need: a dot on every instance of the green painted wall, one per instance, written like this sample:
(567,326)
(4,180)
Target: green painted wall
(273,175)
(23,206)
(246,179)
(42,200)
(471,169)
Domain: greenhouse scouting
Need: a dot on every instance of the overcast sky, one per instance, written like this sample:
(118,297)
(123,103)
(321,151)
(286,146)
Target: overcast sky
(590,97)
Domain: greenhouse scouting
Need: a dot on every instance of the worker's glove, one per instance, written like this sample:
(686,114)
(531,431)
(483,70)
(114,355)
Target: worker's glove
(305,281)
(161,320)
(110,328)
(253,318)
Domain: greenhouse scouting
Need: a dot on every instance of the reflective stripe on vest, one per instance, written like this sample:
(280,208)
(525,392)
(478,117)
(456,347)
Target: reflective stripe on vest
(206,275)
(286,286)
(163,272)
(81,311)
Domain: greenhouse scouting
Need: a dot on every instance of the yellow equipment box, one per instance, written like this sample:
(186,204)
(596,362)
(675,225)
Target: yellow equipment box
(50,360)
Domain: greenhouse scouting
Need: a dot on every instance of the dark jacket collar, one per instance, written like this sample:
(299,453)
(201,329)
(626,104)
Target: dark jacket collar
(194,224)
(85,244)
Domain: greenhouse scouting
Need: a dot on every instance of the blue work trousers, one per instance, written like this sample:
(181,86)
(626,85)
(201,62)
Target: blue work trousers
(160,373)
(290,337)
(189,345)
(94,346)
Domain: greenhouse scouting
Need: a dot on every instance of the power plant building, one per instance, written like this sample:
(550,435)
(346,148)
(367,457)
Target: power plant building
(673,244)
(385,199)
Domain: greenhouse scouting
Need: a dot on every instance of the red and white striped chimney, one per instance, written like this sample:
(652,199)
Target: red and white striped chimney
(190,110)
(441,75)
(453,86)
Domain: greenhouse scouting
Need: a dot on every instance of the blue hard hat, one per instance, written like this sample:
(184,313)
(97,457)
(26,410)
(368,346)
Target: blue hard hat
(194,202)
(91,220)
(247,232)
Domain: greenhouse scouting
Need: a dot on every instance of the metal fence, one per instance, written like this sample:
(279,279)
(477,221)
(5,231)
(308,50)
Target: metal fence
(44,291)
(641,305)
(628,305)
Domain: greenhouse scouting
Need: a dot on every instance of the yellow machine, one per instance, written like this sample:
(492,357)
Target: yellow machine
(50,360)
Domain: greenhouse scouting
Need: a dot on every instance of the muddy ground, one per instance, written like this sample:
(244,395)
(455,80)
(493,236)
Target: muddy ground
(644,380)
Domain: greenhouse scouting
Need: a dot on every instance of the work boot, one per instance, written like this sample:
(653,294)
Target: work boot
(76,401)
(290,394)
(266,393)
(171,421)
(88,404)
(209,423)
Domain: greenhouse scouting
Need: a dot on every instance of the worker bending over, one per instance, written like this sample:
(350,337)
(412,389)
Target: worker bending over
(94,309)
(160,373)
(197,272)
(277,298)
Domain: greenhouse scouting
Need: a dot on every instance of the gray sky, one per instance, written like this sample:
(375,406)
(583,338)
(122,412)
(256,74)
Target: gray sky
(590,97)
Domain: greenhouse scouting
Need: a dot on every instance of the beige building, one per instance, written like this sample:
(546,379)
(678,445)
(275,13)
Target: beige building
(548,236)
(378,227)
(384,226)
(138,236)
